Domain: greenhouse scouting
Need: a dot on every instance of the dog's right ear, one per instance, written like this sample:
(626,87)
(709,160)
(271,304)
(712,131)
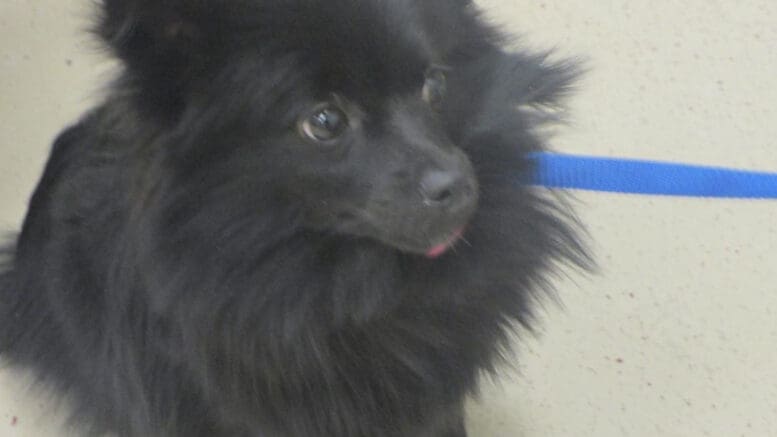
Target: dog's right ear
(164,44)
(152,34)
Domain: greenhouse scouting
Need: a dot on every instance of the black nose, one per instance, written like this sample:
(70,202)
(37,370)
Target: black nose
(441,187)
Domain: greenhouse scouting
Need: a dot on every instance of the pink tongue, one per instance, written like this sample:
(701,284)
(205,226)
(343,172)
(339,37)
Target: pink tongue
(437,251)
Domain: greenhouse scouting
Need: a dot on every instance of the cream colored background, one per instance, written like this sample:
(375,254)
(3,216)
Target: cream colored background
(678,334)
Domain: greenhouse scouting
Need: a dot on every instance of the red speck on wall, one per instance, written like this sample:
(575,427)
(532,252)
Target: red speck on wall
(14,421)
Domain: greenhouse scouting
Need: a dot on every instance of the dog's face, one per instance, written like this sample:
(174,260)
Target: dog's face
(366,147)
(382,167)
(337,107)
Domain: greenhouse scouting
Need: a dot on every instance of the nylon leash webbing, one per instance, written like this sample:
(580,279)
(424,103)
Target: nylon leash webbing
(649,177)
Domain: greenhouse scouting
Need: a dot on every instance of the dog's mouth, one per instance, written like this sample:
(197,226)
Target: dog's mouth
(428,240)
(440,249)
(421,245)
(430,248)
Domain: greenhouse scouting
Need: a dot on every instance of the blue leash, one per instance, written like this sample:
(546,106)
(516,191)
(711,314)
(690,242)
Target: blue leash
(649,177)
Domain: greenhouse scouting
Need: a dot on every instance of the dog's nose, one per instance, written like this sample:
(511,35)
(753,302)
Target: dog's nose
(441,187)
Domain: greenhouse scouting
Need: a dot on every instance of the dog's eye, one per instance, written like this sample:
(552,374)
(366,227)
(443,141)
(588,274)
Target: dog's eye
(435,88)
(325,124)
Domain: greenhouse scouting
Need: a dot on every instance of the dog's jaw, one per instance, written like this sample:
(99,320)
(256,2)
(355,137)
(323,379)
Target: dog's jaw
(440,249)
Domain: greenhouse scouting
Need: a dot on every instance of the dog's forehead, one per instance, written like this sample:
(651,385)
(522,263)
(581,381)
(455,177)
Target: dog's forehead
(375,43)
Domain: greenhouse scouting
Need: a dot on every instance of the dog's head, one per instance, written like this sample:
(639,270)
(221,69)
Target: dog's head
(337,108)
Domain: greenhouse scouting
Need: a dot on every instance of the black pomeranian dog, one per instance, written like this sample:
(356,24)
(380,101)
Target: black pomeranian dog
(289,218)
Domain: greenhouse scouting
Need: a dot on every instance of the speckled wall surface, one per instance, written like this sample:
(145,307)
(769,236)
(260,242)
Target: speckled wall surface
(677,336)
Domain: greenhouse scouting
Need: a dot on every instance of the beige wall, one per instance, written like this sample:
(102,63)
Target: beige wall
(678,334)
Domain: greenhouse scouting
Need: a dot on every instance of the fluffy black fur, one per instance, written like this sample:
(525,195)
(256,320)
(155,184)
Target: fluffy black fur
(192,265)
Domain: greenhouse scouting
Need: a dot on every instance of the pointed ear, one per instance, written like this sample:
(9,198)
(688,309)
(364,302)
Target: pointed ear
(153,37)
(165,46)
